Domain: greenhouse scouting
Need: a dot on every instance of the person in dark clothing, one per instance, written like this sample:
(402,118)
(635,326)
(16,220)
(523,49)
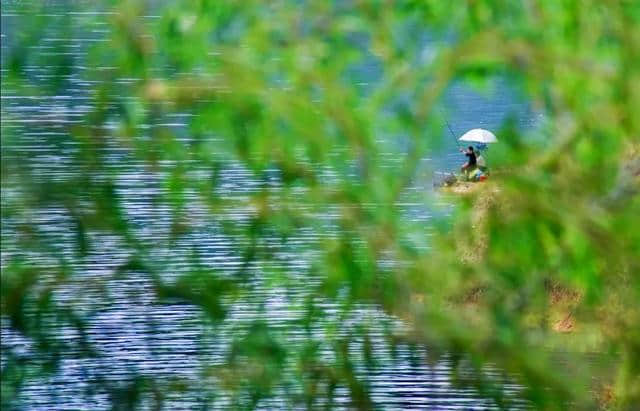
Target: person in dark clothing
(471,162)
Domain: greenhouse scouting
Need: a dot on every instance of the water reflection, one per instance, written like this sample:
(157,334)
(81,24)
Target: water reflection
(134,334)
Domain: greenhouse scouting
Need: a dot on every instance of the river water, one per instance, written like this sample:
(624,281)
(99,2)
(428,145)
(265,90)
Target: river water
(135,335)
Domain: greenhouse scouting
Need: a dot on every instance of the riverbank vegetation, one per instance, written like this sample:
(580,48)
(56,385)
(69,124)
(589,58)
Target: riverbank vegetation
(271,89)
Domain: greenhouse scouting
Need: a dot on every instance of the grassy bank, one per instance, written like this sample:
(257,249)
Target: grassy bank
(565,314)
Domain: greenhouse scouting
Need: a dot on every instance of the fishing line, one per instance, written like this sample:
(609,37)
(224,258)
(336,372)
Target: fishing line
(451,131)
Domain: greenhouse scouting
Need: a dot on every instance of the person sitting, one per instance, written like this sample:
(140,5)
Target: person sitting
(471,163)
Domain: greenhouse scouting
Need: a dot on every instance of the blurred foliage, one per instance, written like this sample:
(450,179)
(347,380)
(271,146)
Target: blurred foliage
(269,88)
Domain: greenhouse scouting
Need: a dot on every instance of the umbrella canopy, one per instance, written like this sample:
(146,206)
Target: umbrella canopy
(479,135)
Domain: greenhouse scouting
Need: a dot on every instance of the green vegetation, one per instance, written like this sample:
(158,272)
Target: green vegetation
(556,244)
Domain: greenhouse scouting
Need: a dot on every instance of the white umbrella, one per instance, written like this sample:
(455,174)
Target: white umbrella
(479,135)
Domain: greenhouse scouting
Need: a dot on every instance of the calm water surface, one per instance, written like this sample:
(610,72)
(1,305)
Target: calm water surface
(133,333)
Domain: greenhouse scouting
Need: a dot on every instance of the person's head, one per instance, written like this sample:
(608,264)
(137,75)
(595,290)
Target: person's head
(470,148)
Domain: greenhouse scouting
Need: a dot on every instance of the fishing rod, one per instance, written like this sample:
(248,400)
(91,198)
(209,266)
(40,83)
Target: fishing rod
(451,131)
